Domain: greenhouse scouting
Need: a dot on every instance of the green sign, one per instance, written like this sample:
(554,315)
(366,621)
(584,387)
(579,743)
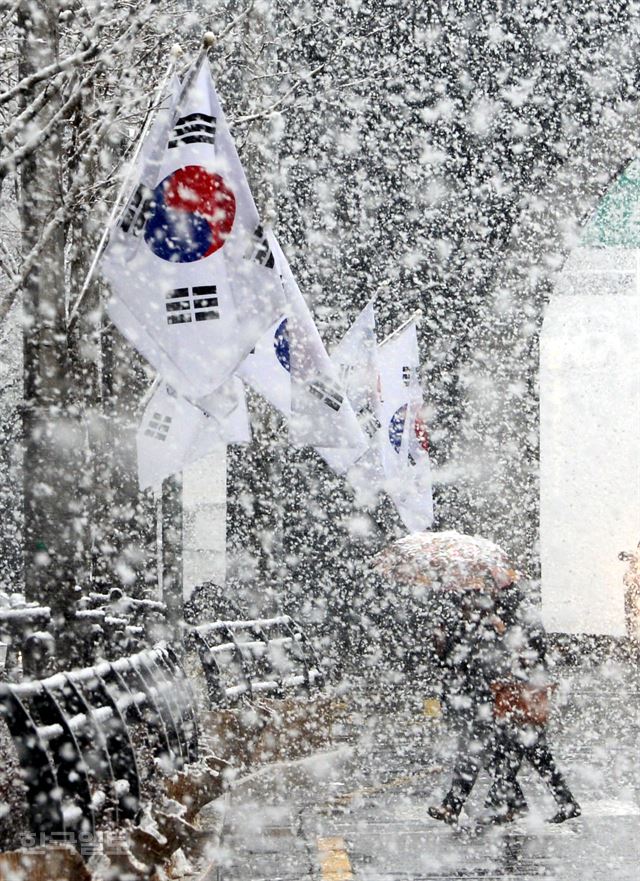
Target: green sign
(616,221)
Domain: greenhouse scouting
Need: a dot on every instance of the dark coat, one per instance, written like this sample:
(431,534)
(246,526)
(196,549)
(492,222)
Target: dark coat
(524,640)
(473,656)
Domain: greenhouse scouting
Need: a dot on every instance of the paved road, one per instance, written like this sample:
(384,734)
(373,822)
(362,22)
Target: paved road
(360,811)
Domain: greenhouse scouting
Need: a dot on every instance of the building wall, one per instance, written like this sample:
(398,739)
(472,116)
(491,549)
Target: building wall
(589,440)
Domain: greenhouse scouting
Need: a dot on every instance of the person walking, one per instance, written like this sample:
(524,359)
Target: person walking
(521,710)
(486,657)
(471,658)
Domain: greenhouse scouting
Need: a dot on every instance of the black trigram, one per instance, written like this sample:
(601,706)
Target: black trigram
(185,305)
(196,128)
(368,420)
(138,211)
(345,370)
(158,427)
(331,395)
(407,375)
(259,249)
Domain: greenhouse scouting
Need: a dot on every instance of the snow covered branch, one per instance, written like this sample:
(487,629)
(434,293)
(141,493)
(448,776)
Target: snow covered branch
(8,262)
(29,113)
(14,159)
(267,111)
(9,11)
(50,71)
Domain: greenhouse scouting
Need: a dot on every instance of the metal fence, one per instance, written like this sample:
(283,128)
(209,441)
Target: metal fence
(87,745)
(245,659)
(106,625)
(87,740)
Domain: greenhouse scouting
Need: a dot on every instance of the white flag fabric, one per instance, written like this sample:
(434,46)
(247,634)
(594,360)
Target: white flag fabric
(267,369)
(321,414)
(404,449)
(175,432)
(355,360)
(290,367)
(193,279)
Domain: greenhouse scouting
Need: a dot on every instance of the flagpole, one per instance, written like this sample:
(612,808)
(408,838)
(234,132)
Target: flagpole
(208,40)
(176,53)
(416,316)
(148,395)
(171,579)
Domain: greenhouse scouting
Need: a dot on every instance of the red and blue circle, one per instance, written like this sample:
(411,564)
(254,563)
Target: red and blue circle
(193,214)
(396,429)
(281,345)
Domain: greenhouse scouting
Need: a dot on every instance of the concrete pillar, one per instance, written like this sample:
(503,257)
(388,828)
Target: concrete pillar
(204,494)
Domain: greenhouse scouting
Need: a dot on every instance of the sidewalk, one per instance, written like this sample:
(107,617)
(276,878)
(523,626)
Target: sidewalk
(360,811)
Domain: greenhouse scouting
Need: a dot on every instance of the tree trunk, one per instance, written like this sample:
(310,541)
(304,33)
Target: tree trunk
(54,436)
(124,518)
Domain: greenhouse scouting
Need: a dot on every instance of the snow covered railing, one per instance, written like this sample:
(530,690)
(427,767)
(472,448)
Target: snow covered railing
(106,624)
(126,622)
(123,603)
(87,740)
(264,656)
(32,614)
(24,631)
(19,619)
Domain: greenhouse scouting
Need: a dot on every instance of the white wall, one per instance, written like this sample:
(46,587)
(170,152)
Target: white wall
(589,441)
(204,501)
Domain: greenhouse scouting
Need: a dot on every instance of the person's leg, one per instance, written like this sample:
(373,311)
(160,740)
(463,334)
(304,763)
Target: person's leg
(506,797)
(465,775)
(472,748)
(541,759)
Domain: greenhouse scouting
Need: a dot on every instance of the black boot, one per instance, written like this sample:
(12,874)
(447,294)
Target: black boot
(568,810)
(444,813)
(507,814)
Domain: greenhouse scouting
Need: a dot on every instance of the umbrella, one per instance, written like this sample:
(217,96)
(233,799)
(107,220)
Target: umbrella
(446,561)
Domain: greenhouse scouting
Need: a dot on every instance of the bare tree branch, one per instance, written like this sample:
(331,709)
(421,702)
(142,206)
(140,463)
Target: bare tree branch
(236,21)
(8,262)
(276,104)
(9,14)
(14,159)
(26,116)
(62,214)
(51,70)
